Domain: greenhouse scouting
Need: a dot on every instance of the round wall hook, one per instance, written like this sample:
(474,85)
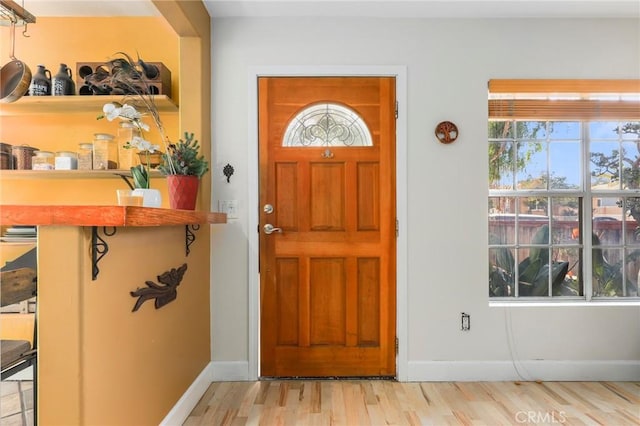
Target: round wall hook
(446,132)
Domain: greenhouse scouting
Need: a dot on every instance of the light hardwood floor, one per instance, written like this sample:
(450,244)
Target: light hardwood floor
(378,402)
(16,403)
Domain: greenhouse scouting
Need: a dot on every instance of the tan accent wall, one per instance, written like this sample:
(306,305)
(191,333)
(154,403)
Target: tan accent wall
(53,41)
(95,353)
(99,362)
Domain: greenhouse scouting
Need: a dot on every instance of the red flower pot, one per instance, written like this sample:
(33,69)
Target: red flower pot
(183,191)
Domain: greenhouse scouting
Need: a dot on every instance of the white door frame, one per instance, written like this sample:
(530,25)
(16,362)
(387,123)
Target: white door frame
(400,73)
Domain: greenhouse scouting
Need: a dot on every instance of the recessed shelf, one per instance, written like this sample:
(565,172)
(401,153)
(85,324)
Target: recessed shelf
(72,104)
(70,174)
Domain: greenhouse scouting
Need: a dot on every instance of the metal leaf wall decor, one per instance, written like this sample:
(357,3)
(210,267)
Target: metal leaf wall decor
(163,293)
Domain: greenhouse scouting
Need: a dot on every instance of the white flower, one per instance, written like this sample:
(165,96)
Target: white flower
(124,112)
(144,145)
(111,111)
(141,125)
(128,112)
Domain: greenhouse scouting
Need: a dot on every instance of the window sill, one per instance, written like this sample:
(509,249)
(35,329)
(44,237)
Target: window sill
(562,303)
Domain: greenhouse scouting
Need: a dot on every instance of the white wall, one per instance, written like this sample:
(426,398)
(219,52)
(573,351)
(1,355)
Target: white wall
(448,65)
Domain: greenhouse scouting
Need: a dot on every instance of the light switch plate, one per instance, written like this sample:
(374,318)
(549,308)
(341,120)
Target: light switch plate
(230,207)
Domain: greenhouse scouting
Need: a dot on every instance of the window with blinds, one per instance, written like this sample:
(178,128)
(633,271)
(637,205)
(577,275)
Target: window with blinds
(564,189)
(564,99)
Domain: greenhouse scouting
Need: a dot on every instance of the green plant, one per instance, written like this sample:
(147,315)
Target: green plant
(183,158)
(608,277)
(140,176)
(533,271)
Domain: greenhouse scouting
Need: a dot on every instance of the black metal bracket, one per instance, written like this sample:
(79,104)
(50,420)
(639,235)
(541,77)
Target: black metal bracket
(190,237)
(126,179)
(99,248)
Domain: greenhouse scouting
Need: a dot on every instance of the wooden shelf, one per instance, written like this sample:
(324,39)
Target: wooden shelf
(104,216)
(72,104)
(70,174)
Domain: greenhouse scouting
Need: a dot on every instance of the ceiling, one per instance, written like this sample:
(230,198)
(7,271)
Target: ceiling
(351,8)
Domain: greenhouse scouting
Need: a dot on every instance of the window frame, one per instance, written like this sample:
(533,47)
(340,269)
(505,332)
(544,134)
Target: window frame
(584,101)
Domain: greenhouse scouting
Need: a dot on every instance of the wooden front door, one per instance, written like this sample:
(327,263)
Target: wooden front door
(327,186)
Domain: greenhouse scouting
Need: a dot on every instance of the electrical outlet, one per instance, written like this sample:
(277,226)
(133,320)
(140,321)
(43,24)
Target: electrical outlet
(230,207)
(465,320)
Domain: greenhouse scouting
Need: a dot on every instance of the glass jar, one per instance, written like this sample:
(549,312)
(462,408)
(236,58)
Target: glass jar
(85,156)
(126,156)
(105,152)
(22,156)
(6,158)
(66,160)
(42,160)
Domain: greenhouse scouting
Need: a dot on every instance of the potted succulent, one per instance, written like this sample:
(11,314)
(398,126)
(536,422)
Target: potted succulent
(183,165)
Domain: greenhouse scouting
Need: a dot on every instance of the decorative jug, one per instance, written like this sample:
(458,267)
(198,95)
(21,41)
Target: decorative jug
(150,71)
(62,82)
(40,82)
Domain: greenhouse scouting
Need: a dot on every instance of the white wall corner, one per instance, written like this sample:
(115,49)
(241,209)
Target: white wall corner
(190,398)
(229,371)
(545,370)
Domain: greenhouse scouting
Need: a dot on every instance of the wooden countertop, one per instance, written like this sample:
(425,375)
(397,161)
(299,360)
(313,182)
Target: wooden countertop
(104,216)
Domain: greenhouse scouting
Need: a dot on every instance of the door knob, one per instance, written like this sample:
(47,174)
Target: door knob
(270,229)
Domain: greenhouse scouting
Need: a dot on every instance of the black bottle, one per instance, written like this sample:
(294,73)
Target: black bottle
(62,83)
(40,82)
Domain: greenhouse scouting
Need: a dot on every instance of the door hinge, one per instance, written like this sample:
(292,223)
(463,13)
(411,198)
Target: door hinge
(397,228)
(397,346)
(396,110)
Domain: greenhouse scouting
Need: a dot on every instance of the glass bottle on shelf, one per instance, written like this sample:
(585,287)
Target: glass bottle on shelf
(105,152)
(85,156)
(42,160)
(127,157)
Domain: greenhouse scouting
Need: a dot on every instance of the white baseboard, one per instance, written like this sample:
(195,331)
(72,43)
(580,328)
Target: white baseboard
(188,401)
(220,371)
(546,370)
(230,371)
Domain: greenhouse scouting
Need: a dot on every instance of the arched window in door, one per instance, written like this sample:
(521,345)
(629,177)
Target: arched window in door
(327,124)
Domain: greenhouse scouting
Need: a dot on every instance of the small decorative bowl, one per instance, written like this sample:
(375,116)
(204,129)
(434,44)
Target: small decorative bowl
(154,159)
